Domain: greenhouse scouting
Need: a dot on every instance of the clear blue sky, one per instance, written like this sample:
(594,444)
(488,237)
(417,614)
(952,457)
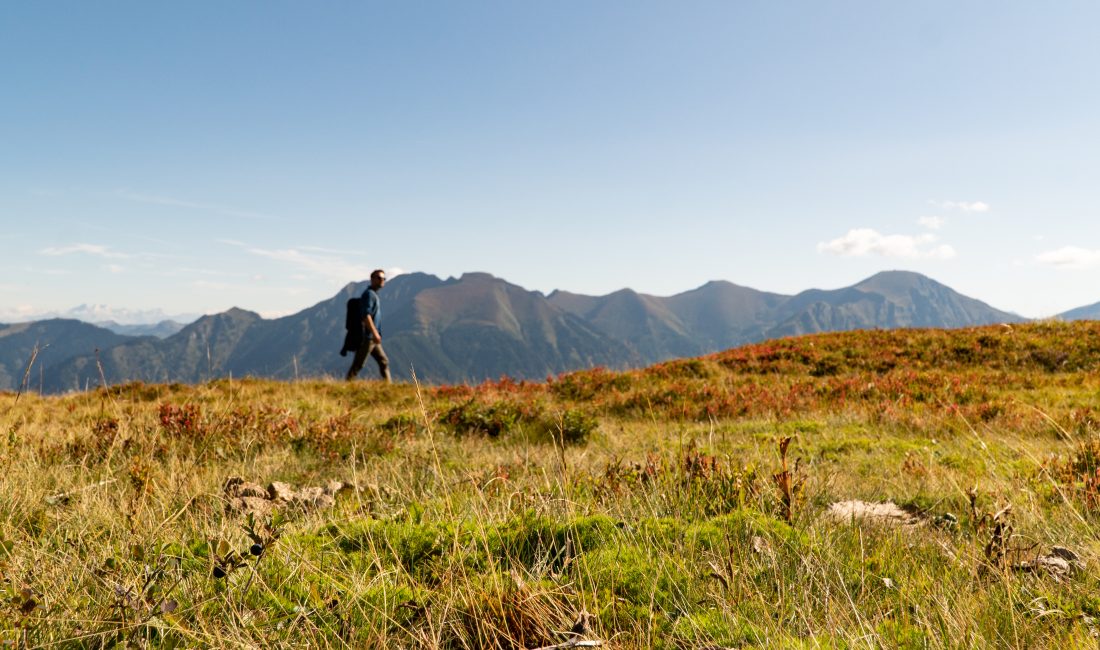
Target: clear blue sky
(201,155)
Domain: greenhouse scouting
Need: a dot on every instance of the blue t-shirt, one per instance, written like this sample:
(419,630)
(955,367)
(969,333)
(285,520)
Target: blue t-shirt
(370,305)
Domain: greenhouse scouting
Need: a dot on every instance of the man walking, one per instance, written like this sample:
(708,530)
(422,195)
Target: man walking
(372,322)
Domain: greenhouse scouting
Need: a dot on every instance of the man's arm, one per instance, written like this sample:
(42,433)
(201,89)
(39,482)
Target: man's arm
(368,322)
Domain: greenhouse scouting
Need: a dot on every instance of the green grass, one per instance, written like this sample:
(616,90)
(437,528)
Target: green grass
(495,515)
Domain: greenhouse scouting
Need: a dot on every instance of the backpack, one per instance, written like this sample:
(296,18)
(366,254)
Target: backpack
(353,323)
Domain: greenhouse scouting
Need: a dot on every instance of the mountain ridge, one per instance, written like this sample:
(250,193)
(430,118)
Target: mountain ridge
(478,326)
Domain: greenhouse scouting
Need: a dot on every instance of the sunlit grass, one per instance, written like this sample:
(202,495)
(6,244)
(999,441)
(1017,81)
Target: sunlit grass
(641,505)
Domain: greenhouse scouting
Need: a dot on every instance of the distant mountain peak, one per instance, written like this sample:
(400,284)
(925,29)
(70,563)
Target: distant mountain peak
(896,278)
(1087,312)
(234,315)
(480,326)
(478,276)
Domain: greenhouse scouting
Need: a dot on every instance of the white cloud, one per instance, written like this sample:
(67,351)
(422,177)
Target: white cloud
(88,249)
(932,223)
(964,206)
(326,266)
(1070,257)
(115,268)
(865,241)
(225,210)
(19,313)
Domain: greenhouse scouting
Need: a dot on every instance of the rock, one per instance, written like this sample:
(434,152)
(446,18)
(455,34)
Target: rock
(1065,554)
(886,512)
(279,491)
(244,497)
(252,490)
(311,498)
(245,505)
(1053,563)
(1058,563)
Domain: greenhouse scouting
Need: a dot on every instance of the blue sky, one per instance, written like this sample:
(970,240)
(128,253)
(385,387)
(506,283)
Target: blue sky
(192,157)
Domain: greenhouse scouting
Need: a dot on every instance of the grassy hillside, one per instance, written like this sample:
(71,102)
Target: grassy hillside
(685,505)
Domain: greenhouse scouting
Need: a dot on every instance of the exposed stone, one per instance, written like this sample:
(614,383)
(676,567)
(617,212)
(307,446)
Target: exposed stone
(1065,554)
(252,490)
(886,512)
(1058,563)
(279,491)
(257,505)
(244,497)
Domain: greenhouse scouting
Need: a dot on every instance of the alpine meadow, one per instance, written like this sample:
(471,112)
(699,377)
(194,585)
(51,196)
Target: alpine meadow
(915,488)
(549,325)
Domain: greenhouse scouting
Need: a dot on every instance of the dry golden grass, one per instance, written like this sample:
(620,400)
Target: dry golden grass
(649,508)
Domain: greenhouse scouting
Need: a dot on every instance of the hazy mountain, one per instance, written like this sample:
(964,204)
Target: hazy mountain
(202,350)
(103,314)
(715,316)
(1088,312)
(113,318)
(477,327)
(720,315)
(56,340)
(645,323)
(723,314)
(466,329)
(161,330)
(888,300)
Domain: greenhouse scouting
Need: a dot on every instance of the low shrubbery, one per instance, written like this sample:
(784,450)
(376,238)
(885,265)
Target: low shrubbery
(684,505)
(504,418)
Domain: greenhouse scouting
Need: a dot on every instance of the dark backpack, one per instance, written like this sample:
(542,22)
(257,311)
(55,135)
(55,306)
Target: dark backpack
(353,323)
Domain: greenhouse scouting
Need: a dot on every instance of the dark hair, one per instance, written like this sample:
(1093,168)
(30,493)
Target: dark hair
(376,272)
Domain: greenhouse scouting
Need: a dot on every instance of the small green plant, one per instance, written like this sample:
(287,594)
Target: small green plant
(1080,473)
(141,586)
(472,417)
(402,424)
(18,605)
(263,533)
(575,427)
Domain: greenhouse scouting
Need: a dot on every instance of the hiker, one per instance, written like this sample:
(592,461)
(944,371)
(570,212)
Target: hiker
(371,311)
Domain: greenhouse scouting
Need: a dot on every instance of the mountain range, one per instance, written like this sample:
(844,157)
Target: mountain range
(133,322)
(476,327)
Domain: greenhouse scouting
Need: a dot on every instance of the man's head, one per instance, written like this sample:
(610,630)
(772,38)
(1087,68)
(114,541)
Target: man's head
(377,279)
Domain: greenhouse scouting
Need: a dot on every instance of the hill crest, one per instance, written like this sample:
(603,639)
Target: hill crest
(478,326)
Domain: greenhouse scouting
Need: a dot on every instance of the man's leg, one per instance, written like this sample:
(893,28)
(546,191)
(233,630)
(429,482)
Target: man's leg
(359,359)
(383,362)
